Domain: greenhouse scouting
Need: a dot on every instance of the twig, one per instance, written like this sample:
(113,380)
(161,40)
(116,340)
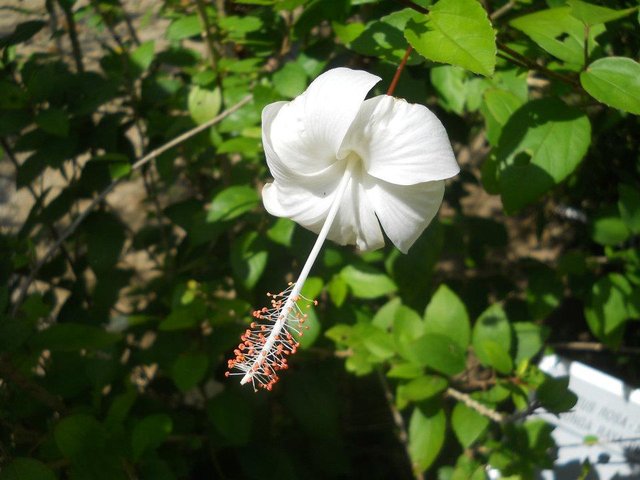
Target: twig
(475,405)
(73,34)
(206,34)
(414,6)
(401,427)
(396,77)
(143,161)
(14,376)
(502,10)
(127,21)
(594,347)
(521,60)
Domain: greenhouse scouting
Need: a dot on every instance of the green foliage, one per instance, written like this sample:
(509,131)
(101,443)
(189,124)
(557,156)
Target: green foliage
(113,347)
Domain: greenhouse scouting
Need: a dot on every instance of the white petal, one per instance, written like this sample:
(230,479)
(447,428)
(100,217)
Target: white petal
(400,142)
(307,132)
(404,210)
(306,199)
(276,167)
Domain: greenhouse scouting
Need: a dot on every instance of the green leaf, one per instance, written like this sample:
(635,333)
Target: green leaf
(232,417)
(184,27)
(188,369)
(26,469)
(337,290)
(73,434)
(426,437)
(629,206)
(497,108)
(291,80)
(609,230)
(204,104)
(559,33)
(405,371)
(232,202)
(450,83)
(184,316)
(555,396)
(150,433)
(492,339)
(614,81)
(447,315)
(591,14)
(282,232)
(71,337)
(53,121)
(613,300)
(367,282)
(105,240)
(249,257)
(142,56)
(530,340)
(385,317)
(438,352)
(407,327)
(23,32)
(457,32)
(467,424)
(541,144)
(419,389)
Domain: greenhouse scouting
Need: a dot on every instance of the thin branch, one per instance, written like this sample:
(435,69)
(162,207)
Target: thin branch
(594,347)
(401,427)
(475,405)
(502,10)
(414,6)
(73,34)
(206,34)
(533,65)
(97,200)
(127,21)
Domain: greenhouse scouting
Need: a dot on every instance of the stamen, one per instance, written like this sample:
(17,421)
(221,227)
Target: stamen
(265,346)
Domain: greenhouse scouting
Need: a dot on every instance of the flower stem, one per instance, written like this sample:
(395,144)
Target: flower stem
(297,287)
(399,70)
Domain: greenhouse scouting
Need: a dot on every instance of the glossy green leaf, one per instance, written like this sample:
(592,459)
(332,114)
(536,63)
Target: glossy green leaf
(338,290)
(540,145)
(183,27)
(142,56)
(249,257)
(407,327)
(438,352)
(204,104)
(426,437)
(367,282)
(405,371)
(614,81)
(468,425)
(591,14)
(418,389)
(530,340)
(457,32)
(555,396)
(189,369)
(450,83)
(385,316)
(446,315)
(26,469)
(290,81)
(609,230)
(559,33)
(53,121)
(613,300)
(71,337)
(150,433)
(629,206)
(232,202)
(23,32)
(492,339)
